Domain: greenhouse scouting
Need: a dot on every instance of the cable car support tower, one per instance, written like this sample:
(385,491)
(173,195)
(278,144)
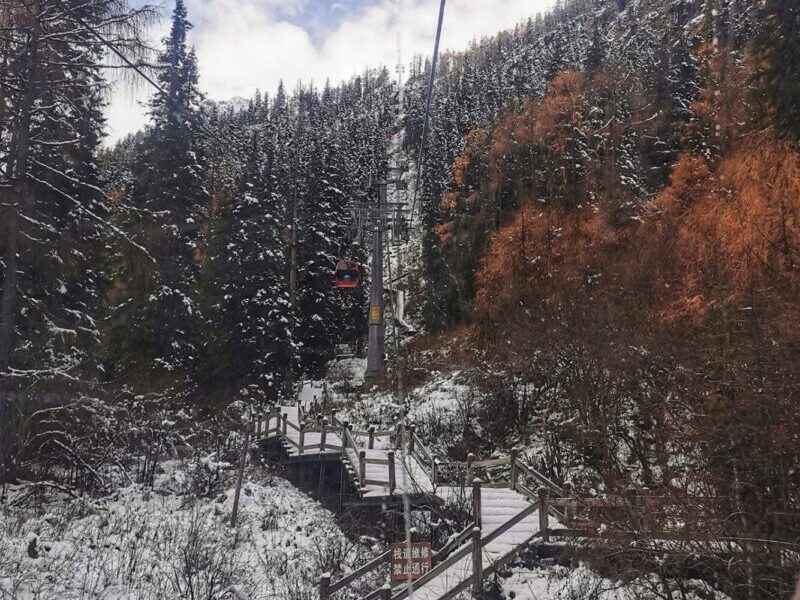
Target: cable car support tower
(374,220)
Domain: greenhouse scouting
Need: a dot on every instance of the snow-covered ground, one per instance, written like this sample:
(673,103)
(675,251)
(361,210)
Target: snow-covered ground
(165,543)
(581,583)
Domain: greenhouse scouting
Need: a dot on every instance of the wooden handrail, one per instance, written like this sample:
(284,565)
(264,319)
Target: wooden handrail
(491,462)
(363,570)
(539,477)
(420,450)
(383,484)
(488,539)
(353,465)
(526,491)
(436,571)
(468,549)
(362,433)
(314,429)
(378,593)
(351,442)
(529,493)
(453,543)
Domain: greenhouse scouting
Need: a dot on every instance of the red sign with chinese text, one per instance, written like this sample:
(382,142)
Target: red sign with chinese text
(421,561)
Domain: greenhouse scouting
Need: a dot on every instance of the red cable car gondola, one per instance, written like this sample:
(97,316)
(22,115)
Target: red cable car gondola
(347,274)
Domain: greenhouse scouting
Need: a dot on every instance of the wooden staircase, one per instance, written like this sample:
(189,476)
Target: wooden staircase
(384,465)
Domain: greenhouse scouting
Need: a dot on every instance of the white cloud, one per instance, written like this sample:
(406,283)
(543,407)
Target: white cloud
(248,44)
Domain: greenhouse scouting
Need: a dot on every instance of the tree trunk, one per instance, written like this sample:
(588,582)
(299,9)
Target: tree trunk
(20,197)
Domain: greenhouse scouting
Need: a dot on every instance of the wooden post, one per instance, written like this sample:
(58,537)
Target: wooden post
(362,467)
(323,435)
(324,584)
(345,427)
(285,427)
(240,476)
(434,470)
(476,503)
(302,441)
(470,460)
(390,456)
(386,592)
(411,429)
(514,470)
(569,508)
(371,442)
(543,517)
(477,564)
(399,435)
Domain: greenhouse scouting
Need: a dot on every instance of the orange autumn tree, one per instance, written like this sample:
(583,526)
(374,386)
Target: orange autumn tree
(700,286)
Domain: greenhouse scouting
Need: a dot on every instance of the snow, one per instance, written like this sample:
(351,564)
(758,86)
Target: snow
(560,583)
(498,506)
(162,542)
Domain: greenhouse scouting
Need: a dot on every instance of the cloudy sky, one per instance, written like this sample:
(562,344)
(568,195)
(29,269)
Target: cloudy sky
(243,45)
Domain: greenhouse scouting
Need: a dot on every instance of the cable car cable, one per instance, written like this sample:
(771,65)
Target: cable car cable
(431,81)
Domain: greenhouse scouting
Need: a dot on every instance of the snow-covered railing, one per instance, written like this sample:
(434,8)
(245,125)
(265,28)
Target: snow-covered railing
(264,423)
(475,548)
(454,542)
(327,588)
(516,466)
(417,449)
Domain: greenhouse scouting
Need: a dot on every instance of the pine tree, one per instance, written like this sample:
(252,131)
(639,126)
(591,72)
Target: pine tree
(778,47)
(250,324)
(157,321)
(53,218)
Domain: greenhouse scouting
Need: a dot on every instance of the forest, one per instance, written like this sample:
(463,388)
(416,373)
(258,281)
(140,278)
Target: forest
(603,266)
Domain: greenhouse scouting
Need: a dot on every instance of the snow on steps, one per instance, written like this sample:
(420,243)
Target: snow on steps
(498,507)
(410,475)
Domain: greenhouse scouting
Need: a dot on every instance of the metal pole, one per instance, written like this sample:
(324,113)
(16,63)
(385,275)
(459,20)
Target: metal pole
(375,367)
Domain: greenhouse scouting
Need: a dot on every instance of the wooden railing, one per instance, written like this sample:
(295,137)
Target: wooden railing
(327,588)
(461,548)
(454,542)
(419,451)
(355,442)
(516,465)
(546,496)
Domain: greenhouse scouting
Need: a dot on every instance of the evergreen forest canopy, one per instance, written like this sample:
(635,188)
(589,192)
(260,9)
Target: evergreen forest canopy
(610,205)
